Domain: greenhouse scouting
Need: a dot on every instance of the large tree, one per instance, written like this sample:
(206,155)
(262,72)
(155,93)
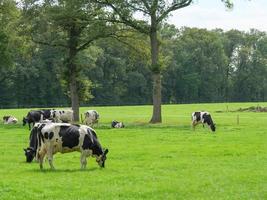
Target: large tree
(154,13)
(73,26)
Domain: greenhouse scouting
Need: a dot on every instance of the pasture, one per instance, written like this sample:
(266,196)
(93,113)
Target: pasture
(161,161)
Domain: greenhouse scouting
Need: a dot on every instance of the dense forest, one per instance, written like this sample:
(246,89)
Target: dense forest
(198,65)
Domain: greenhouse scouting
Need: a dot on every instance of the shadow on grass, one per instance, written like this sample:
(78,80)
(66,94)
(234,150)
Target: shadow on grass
(48,170)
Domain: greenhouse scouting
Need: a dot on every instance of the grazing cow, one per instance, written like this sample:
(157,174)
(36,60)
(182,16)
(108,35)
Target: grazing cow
(91,117)
(50,138)
(116,124)
(33,117)
(62,115)
(9,120)
(204,118)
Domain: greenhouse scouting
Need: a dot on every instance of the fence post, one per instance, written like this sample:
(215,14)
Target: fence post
(82,118)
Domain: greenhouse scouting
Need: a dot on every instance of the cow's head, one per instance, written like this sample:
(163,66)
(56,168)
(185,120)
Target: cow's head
(29,153)
(25,120)
(102,158)
(52,114)
(213,127)
(5,118)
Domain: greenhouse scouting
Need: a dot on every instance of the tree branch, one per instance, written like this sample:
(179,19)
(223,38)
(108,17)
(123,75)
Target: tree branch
(175,6)
(86,44)
(132,23)
(48,44)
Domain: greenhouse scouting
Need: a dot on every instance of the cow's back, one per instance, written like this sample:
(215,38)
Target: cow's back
(70,136)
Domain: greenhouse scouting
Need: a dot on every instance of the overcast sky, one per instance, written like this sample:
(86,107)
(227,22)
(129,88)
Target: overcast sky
(212,14)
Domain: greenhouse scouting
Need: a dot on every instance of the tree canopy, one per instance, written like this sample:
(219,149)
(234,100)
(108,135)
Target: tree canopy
(196,65)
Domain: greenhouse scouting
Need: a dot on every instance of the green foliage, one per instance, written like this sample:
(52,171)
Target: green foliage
(167,161)
(85,87)
(198,65)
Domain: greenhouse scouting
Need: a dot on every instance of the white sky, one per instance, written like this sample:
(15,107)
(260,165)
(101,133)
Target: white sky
(212,14)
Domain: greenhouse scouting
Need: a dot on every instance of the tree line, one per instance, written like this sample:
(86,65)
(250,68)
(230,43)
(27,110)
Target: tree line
(44,52)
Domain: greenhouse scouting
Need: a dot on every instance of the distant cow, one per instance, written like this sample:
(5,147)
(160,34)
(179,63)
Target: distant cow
(204,118)
(9,120)
(36,116)
(50,138)
(116,124)
(62,115)
(91,117)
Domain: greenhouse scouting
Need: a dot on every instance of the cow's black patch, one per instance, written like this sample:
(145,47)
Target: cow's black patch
(40,135)
(5,118)
(208,120)
(31,150)
(198,116)
(33,138)
(47,113)
(114,123)
(46,135)
(41,126)
(91,142)
(50,136)
(87,143)
(70,136)
(35,116)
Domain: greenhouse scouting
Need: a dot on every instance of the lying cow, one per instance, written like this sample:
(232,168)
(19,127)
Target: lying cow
(116,124)
(50,138)
(62,115)
(36,116)
(204,118)
(9,120)
(91,117)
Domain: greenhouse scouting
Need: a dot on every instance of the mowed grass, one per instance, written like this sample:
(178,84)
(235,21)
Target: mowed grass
(161,161)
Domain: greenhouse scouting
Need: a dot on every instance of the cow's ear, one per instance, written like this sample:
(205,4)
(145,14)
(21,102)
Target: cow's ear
(105,151)
(25,150)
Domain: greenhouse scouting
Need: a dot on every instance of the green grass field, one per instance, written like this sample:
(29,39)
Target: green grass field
(161,161)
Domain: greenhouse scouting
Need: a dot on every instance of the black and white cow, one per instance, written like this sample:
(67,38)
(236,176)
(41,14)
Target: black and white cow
(33,117)
(91,117)
(37,116)
(50,138)
(204,118)
(116,124)
(10,120)
(62,115)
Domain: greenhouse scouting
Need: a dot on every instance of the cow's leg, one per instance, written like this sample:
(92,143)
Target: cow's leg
(50,156)
(41,161)
(83,160)
(194,123)
(41,156)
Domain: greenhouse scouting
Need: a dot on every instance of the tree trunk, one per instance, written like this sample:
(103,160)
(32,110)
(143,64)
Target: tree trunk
(75,104)
(156,77)
(72,74)
(156,117)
